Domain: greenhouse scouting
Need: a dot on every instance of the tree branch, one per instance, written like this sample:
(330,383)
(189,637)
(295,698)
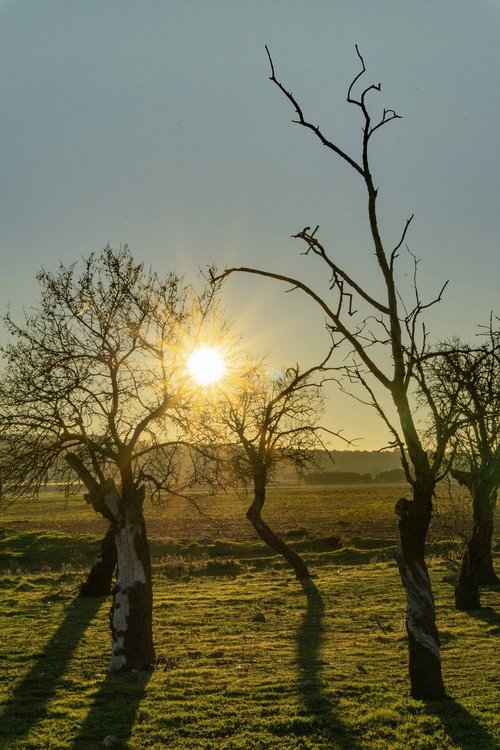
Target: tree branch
(306,124)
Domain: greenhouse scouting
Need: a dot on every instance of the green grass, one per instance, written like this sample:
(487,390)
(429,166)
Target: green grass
(325,669)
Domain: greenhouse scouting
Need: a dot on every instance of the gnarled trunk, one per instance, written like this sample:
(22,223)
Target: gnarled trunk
(423,637)
(487,575)
(100,578)
(467,592)
(271,539)
(131,613)
(477,562)
(132,609)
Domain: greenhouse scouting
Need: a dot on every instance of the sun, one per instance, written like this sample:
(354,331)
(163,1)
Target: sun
(206,365)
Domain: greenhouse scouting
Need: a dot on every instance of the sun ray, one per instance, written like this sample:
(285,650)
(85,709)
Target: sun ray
(206,365)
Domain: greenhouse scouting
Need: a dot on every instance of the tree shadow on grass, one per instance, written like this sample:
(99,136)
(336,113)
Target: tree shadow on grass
(486,614)
(33,550)
(113,711)
(317,704)
(463,729)
(31,696)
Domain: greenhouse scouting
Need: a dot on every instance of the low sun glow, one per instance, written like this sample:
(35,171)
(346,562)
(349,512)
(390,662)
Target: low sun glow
(206,365)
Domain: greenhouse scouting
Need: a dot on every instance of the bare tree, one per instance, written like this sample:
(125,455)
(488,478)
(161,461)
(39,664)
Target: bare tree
(469,378)
(385,339)
(95,391)
(274,418)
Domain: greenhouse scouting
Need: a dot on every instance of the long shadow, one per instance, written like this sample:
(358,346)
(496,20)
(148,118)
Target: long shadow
(30,697)
(29,550)
(318,705)
(486,614)
(113,711)
(462,728)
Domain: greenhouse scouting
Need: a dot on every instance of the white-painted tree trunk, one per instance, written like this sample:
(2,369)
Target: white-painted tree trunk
(132,609)
(130,620)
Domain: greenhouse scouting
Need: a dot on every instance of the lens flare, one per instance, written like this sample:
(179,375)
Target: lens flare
(206,365)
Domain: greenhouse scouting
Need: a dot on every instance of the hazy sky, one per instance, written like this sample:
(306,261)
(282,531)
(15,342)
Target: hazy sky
(155,124)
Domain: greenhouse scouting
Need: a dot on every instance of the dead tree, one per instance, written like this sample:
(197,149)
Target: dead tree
(274,419)
(93,392)
(373,328)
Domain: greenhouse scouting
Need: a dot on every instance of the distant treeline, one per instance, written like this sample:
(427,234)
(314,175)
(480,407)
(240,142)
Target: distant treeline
(354,477)
(359,462)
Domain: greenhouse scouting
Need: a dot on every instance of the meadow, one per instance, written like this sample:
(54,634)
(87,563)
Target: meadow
(247,658)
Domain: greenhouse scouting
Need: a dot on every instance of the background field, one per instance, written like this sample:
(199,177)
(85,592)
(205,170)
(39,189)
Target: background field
(247,659)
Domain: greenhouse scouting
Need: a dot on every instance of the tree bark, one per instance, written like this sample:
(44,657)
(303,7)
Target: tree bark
(131,616)
(423,638)
(487,575)
(480,544)
(467,592)
(477,562)
(271,539)
(100,578)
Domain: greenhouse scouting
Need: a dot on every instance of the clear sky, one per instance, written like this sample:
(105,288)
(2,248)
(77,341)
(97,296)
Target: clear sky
(154,123)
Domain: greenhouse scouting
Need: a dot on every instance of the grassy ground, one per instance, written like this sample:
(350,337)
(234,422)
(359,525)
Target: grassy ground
(247,658)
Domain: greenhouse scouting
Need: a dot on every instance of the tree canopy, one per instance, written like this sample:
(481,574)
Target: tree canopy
(96,391)
(98,370)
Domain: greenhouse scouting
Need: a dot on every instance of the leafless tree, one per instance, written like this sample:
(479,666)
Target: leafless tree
(95,391)
(469,378)
(270,420)
(385,340)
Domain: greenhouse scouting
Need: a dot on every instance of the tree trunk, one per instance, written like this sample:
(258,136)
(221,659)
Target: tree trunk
(132,609)
(271,539)
(477,562)
(100,577)
(467,593)
(484,513)
(423,637)
(131,616)
(487,575)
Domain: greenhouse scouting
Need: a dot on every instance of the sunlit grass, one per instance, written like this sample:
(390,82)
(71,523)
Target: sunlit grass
(329,676)
(247,659)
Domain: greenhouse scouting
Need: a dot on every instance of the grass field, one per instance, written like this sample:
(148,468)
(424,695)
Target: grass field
(247,658)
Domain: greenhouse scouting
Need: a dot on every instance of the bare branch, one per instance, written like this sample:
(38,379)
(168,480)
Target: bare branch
(306,124)
(338,273)
(394,253)
(339,325)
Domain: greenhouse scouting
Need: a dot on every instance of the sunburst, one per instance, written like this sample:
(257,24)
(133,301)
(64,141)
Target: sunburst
(206,365)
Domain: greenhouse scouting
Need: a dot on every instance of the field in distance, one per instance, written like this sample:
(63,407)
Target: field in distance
(320,510)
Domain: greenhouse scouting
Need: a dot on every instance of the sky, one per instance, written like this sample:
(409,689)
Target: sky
(155,124)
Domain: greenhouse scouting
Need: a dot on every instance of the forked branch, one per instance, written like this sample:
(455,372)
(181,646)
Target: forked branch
(337,272)
(306,124)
